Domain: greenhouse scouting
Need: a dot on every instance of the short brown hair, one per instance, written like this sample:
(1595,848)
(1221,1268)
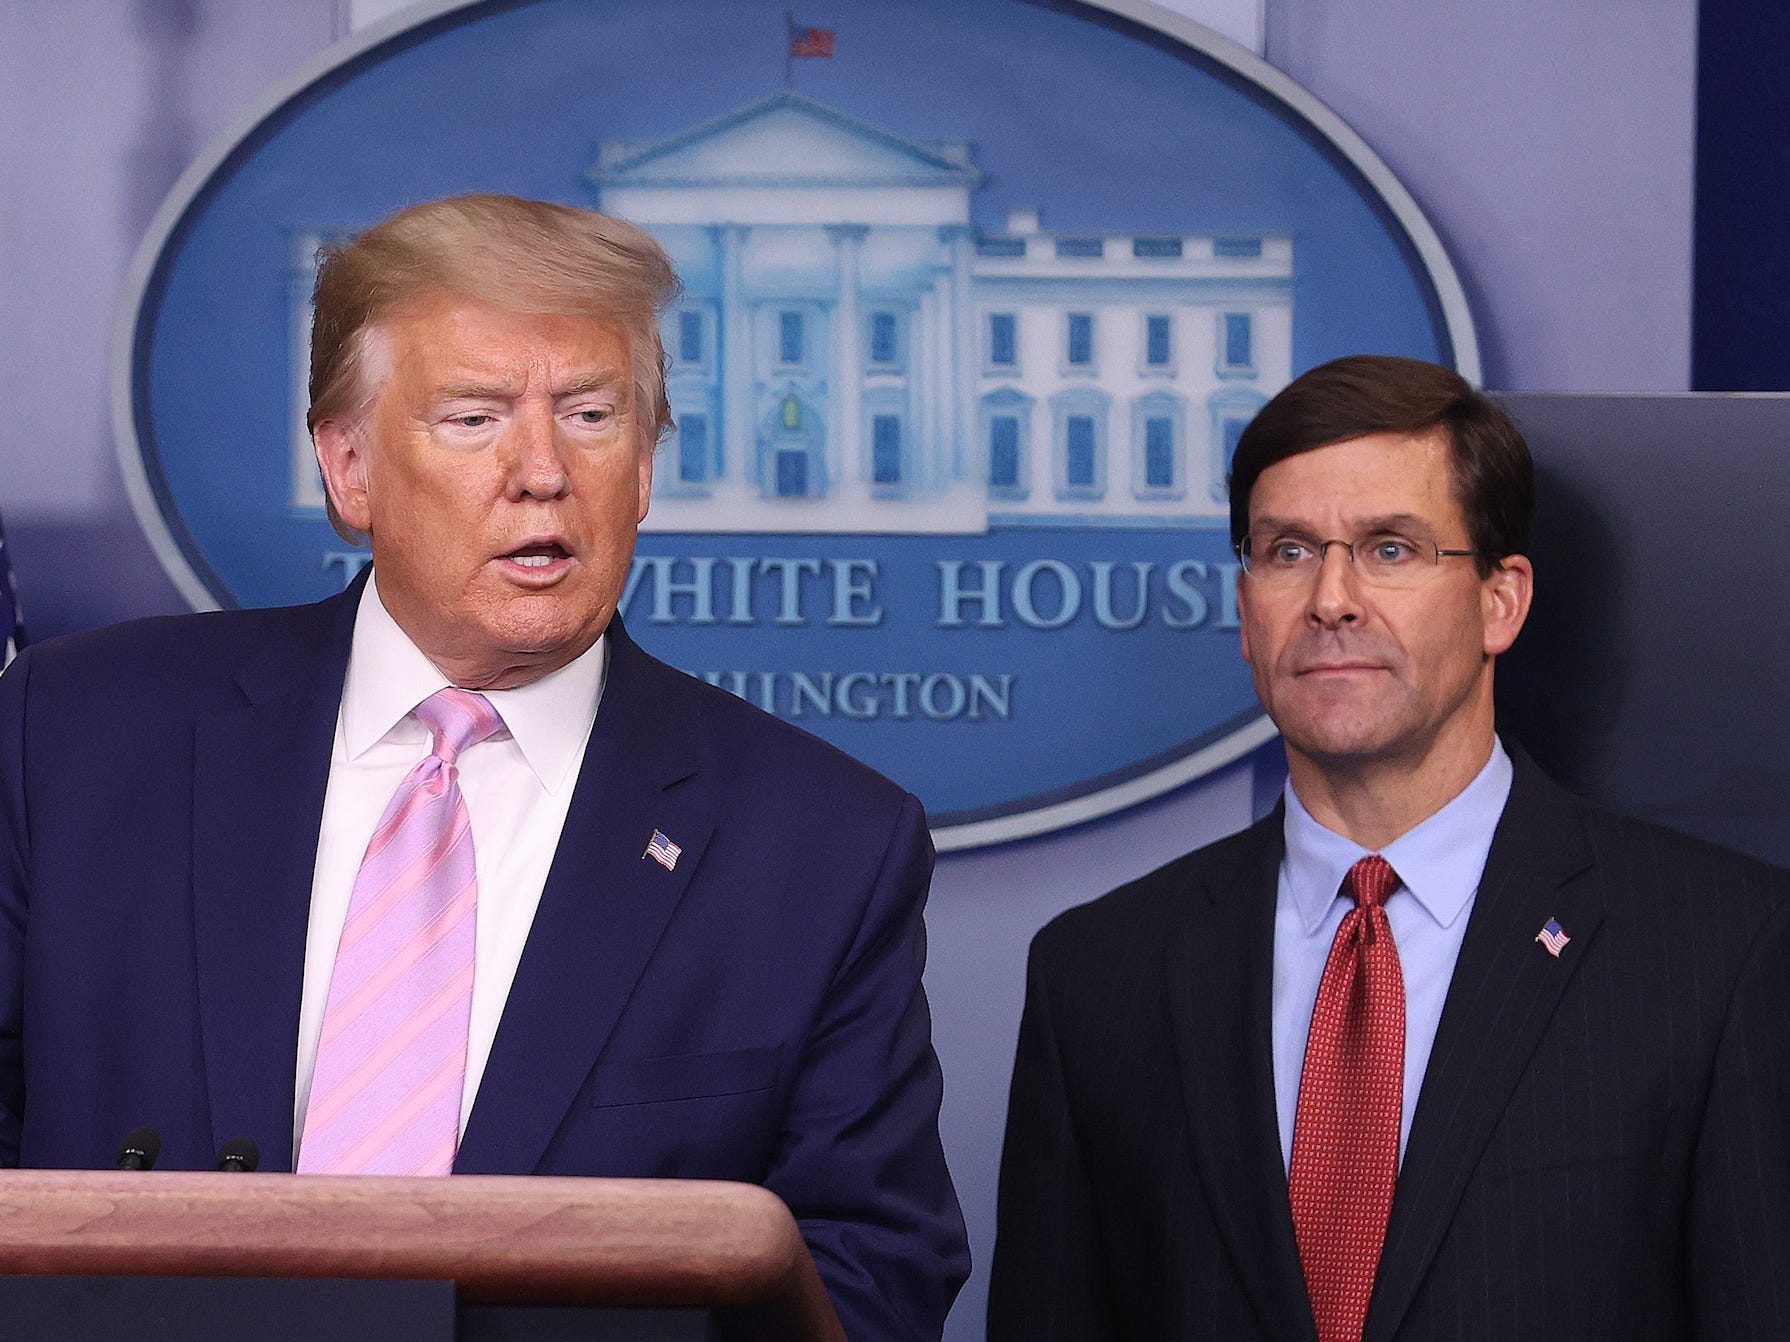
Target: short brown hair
(1494,475)
(521,255)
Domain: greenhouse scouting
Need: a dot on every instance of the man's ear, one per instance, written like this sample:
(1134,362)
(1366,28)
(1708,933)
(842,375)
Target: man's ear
(1243,616)
(342,457)
(1504,597)
(646,482)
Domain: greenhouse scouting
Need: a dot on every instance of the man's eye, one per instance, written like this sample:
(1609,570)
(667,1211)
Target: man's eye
(472,421)
(1288,553)
(1392,550)
(599,415)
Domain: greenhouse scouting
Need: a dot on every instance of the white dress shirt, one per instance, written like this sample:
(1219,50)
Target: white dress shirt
(518,786)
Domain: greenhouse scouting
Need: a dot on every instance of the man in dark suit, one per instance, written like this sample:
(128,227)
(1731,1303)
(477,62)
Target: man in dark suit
(1436,1050)
(444,873)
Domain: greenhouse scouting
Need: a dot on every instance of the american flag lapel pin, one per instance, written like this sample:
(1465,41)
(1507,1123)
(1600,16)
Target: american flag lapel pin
(663,851)
(1554,937)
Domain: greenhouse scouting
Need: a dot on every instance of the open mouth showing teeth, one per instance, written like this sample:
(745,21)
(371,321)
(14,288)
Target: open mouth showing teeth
(536,556)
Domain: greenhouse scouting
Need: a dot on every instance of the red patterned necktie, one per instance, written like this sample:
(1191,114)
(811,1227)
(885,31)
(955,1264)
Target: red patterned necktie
(1345,1132)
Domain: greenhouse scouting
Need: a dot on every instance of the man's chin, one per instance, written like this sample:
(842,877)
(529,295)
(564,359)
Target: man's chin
(1338,743)
(505,669)
(558,640)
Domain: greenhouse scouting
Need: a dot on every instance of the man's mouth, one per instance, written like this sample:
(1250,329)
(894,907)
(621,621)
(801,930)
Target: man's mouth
(538,561)
(538,556)
(1340,667)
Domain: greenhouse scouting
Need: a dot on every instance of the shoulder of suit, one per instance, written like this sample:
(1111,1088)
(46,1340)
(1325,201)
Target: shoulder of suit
(173,653)
(1643,850)
(1700,879)
(1127,920)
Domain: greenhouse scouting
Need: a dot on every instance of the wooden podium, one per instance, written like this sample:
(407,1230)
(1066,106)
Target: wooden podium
(725,1258)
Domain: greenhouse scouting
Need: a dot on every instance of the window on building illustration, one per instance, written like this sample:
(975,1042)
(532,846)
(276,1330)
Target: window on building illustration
(789,337)
(1237,247)
(1237,340)
(885,449)
(792,474)
(882,337)
(1003,339)
(1159,453)
(1233,430)
(1081,248)
(1155,248)
(1081,338)
(791,412)
(689,336)
(1156,342)
(1003,452)
(693,448)
(1078,455)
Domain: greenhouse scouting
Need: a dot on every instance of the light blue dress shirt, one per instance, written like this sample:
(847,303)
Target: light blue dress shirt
(1439,864)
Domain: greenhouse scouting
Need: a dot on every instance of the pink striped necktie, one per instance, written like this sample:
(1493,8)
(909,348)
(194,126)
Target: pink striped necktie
(391,1063)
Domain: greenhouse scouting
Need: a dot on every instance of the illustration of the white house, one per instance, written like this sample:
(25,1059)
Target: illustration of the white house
(852,355)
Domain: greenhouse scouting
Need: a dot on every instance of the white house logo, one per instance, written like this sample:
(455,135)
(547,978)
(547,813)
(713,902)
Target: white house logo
(955,399)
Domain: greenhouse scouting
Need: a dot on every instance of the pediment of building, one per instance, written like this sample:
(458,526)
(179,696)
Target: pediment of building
(785,140)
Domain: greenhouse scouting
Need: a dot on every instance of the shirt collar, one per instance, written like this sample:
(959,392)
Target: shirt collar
(388,675)
(1439,862)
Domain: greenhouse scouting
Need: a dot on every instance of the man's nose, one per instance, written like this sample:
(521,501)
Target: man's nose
(536,465)
(1336,591)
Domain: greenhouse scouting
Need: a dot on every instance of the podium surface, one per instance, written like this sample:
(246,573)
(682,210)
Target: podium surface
(638,1243)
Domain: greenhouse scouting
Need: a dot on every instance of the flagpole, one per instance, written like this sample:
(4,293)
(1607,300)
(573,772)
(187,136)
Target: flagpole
(789,48)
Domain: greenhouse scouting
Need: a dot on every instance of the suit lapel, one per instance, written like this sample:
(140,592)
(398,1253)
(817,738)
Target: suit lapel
(1503,994)
(260,769)
(1220,965)
(602,911)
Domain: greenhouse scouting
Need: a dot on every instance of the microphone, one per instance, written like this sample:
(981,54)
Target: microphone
(239,1155)
(140,1150)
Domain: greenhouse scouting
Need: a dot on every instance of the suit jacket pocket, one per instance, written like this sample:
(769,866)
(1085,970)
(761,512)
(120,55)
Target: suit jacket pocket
(688,1076)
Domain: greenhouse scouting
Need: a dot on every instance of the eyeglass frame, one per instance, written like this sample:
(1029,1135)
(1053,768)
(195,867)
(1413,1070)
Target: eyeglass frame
(1437,552)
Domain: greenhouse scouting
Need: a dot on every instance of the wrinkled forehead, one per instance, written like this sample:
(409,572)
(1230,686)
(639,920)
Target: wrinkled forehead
(446,342)
(1383,481)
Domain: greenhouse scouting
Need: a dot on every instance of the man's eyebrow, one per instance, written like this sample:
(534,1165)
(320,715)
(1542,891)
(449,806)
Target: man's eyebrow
(1269,522)
(607,380)
(1396,522)
(474,391)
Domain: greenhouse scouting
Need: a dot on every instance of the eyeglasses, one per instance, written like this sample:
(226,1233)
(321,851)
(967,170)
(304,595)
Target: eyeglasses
(1384,559)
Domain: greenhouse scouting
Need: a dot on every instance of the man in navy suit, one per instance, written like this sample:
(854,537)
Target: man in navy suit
(698,931)
(1435,1051)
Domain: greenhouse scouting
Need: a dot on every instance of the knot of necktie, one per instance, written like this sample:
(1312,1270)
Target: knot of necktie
(1370,882)
(457,720)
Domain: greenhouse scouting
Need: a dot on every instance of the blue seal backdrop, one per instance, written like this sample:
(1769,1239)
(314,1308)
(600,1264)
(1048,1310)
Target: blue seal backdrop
(1038,626)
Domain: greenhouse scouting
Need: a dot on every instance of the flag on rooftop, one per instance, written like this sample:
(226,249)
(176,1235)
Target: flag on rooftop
(808,43)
